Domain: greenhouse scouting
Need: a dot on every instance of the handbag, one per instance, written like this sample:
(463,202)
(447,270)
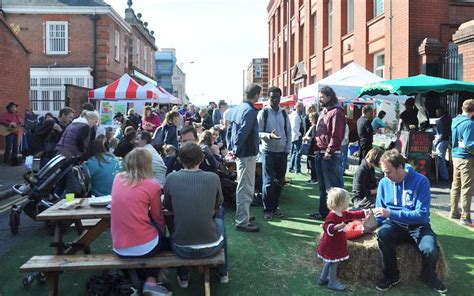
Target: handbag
(305,148)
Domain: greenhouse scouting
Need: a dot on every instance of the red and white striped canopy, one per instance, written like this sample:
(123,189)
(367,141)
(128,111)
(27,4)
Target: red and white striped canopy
(124,88)
(163,95)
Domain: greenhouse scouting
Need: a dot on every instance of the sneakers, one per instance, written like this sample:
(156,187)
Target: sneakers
(155,290)
(455,215)
(385,283)
(322,282)
(278,214)
(312,182)
(183,282)
(223,278)
(267,216)
(336,286)
(438,286)
(247,228)
(317,216)
(466,222)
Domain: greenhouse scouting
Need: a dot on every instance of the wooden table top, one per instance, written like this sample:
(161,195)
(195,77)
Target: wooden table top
(83,212)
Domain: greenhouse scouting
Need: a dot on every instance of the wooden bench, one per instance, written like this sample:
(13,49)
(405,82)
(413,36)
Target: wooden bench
(53,266)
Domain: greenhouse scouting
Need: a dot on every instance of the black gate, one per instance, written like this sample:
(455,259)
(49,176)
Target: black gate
(451,63)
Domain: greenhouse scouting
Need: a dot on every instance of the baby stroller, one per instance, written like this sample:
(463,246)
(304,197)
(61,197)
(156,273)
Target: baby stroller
(39,188)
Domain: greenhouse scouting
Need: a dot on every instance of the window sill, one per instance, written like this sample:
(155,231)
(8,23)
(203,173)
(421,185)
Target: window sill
(327,47)
(375,19)
(348,35)
(57,53)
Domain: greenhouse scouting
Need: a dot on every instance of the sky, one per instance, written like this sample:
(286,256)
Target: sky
(221,37)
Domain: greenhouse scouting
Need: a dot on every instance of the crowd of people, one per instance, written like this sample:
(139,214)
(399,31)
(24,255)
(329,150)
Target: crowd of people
(156,154)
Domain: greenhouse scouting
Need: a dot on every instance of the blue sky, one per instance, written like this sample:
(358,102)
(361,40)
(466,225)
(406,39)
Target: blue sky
(220,36)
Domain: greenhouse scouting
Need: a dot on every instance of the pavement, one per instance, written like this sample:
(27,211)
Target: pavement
(10,176)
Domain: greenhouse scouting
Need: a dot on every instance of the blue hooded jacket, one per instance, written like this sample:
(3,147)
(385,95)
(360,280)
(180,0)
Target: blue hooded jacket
(244,139)
(411,204)
(462,129)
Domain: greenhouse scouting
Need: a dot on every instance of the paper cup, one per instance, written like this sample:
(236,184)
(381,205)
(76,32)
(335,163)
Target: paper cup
(70,196)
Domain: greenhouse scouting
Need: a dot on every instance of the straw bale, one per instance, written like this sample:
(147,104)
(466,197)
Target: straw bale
(364,265)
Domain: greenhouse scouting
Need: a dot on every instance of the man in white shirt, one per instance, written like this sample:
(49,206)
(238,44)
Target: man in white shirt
(143,140)
(297,132)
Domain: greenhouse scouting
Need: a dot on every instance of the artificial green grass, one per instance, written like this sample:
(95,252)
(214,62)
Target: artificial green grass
(279,260)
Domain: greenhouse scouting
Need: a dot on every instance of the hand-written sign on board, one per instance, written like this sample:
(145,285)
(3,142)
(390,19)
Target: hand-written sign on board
(420,142)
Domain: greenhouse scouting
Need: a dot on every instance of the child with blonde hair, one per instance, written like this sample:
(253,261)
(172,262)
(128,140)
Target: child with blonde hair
(333,245)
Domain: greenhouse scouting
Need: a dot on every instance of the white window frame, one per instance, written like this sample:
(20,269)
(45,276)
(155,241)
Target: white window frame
(350,16)
(49,50)
(117,46)
(382,7)
(379,69)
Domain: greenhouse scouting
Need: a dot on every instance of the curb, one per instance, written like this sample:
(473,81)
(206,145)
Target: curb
(7,194)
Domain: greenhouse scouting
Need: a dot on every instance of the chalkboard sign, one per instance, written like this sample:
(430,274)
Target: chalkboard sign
(419,144)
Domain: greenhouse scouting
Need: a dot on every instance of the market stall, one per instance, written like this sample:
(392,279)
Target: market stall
(119,96)
(163,95)
(416,145)
(289,101)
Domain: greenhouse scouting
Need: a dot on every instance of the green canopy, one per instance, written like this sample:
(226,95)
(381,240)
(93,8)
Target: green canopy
(414,85)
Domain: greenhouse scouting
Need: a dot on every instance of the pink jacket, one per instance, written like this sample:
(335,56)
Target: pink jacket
(330,130)
(153,119)
(131,210)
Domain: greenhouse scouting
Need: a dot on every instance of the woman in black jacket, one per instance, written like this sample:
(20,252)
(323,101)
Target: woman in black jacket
(126,144)
(364,186)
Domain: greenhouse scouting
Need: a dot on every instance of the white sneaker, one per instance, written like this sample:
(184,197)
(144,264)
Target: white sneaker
(156,290)
(182,283)
(223,279)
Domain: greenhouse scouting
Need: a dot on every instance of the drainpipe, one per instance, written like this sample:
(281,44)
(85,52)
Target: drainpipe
(94,18)
(288,76)
(391,39)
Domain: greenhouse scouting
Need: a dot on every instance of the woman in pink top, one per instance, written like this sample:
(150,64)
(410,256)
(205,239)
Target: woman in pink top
(150,120)
(138,225)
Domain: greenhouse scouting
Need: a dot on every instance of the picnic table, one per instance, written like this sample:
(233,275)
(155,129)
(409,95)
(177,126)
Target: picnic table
(63,219)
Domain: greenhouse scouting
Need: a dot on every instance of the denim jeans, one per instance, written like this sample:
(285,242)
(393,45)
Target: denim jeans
(11,149)
(295,158)
(390,235)
(329,175)
(274,170)
(191,253)
(344,149)
(441,148)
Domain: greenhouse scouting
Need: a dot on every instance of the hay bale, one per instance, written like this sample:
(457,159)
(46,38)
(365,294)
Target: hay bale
(365,265)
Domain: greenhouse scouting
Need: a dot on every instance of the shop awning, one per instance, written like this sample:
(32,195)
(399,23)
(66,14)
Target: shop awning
(414,85)
(124,88)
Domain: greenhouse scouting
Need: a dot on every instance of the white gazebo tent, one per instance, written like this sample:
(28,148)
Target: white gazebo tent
(346,83)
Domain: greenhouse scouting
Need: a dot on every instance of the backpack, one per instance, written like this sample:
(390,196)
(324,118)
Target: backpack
(158,138)
(265,117)
(78,181)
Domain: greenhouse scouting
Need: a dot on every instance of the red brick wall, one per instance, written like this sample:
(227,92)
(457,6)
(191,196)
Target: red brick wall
(32,34)
(464,38)
(412,22)
(15,78)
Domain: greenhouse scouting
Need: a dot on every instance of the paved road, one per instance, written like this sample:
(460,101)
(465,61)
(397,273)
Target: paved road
(27,225)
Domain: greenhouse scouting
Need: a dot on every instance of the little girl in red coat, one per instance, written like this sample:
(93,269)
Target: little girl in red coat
(333,246)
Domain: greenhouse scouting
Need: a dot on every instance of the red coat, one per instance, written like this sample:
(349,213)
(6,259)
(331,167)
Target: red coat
(333,245)
(10,117)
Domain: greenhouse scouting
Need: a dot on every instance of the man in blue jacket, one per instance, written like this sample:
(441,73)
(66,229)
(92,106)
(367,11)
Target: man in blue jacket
(403,211)
(244,146)
(463,163)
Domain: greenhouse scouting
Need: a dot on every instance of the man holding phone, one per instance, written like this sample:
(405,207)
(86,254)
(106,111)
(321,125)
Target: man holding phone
(274,131)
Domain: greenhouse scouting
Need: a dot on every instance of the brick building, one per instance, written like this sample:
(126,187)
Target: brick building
(15,65)
(78,42)
(392,38)
(257,72)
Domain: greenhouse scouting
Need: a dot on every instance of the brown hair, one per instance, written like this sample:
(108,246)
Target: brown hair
(206,138)
(137,166)
(169,117)
(97,149)
(393,157)
(329,92)
(190,155)
(373,156)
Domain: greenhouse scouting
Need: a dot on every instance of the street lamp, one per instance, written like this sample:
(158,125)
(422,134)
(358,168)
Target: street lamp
(181,64)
